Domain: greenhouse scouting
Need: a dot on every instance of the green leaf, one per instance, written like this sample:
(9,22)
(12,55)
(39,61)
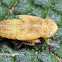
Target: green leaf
(8,3)
(5,48)
(26,55)
(11,16)
(58,6)
(3,12)
(7,59)
(23,7)
(41,52)
(55,17)
(44,3)
(58,35)
(46,56)
(37,11)
(57,50)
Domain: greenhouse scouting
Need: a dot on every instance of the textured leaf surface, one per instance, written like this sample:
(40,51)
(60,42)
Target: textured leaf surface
(23,7)
(46,56)
(5,48)
(57,51)
(55,16)
(58,35)
(42,52)
(44,3)
(3,12)
(58,6)
(11,16)
(7,59)
(36,12)
(26,56)
(8,3)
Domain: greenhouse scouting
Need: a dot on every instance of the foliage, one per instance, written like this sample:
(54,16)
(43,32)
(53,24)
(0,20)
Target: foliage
(41,52)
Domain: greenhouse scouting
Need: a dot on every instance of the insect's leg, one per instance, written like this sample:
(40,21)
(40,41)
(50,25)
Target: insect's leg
(31,42)
(19,46)
(36,41)
(28,43)
(48,42)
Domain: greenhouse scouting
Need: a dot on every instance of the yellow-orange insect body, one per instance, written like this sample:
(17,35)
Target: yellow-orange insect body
(28,28)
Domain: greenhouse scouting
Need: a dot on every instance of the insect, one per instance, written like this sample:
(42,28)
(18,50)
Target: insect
(28,28)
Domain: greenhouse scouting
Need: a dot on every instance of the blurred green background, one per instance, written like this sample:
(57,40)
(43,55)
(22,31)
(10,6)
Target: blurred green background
(40,52)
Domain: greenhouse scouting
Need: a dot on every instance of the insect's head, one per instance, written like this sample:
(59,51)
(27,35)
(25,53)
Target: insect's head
(49,28)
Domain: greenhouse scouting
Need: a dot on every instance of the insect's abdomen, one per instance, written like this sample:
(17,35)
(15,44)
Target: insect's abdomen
(8,28)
